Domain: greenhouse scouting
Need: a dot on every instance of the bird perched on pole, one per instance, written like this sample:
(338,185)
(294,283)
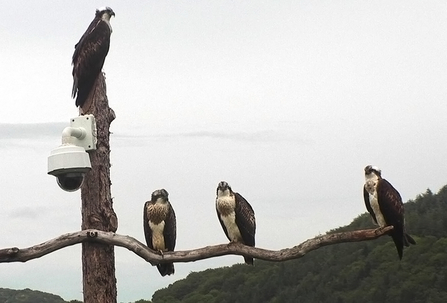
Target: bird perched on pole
(90,53)
(236,217)
(384,203)
(160,227)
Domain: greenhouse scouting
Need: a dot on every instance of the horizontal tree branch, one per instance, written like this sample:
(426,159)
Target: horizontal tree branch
(15,254)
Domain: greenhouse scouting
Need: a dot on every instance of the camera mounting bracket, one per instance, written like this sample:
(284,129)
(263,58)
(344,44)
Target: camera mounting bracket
(82,132)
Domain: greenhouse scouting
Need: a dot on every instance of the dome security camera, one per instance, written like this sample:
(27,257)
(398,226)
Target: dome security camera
(70,161)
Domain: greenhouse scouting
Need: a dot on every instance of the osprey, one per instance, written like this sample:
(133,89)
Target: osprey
(385,205)
(236,217)
(160,227)
(90,53)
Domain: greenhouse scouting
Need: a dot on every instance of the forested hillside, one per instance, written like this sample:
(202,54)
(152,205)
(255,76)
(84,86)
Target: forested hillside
(350,272)
(29,296)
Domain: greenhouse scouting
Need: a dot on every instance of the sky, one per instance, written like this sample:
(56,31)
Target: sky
(287,101)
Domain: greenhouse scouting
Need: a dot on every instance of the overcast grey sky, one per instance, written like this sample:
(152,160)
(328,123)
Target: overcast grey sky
(285,100)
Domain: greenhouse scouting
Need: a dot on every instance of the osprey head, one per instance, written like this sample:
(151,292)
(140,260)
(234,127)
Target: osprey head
(372,169)
(105,12)
(222,187)
(160,194)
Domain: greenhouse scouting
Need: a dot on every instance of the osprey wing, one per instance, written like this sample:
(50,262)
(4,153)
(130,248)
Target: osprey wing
(390,203)
(147,229)
(170,230)
(392,208)
(245,220)
(88,58)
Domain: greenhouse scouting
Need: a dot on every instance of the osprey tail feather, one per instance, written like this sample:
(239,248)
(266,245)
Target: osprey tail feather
(83,94)
(248,260)
(401,240)
(166,269)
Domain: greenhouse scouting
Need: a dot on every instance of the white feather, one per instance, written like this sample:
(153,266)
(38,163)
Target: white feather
(158,240)
(371,182)
(226,201)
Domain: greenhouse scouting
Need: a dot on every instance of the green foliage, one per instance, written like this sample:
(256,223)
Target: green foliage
(350,272)
(27,296)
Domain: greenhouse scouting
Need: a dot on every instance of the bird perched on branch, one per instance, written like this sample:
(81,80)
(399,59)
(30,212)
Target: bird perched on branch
(384,203)
(160,227)
(236,217)
(90,53)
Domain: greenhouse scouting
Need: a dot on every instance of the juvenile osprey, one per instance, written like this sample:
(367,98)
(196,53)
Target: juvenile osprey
(160,227)
(90,53)
(385,205)
(236,217)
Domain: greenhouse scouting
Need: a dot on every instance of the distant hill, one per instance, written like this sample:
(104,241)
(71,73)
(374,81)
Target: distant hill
(29,296)
(349,272)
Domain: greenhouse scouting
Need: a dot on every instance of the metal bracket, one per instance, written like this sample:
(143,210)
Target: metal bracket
(88,123)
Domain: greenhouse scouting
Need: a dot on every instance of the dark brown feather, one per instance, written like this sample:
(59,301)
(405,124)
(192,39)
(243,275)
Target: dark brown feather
(245,220)
(392,209)
(170,231)
(88,58)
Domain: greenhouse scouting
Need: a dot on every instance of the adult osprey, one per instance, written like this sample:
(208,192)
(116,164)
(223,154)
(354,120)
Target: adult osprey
(236,217)
(160,227)
(90,53)
(385,205)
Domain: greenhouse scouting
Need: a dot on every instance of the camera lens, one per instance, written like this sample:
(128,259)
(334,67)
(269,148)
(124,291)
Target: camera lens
(70,181)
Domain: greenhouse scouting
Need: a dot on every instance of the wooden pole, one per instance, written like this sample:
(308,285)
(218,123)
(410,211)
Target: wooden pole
(98,260)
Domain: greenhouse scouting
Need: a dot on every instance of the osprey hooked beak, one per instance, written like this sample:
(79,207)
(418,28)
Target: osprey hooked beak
(105,9)
(372,169)
(160,193)
(223,186)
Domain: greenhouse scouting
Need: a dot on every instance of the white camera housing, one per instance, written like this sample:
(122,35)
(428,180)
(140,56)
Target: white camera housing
(70,161)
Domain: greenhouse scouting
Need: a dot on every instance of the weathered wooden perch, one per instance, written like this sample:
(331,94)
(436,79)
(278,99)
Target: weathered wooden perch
(98,260)
(15,254)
